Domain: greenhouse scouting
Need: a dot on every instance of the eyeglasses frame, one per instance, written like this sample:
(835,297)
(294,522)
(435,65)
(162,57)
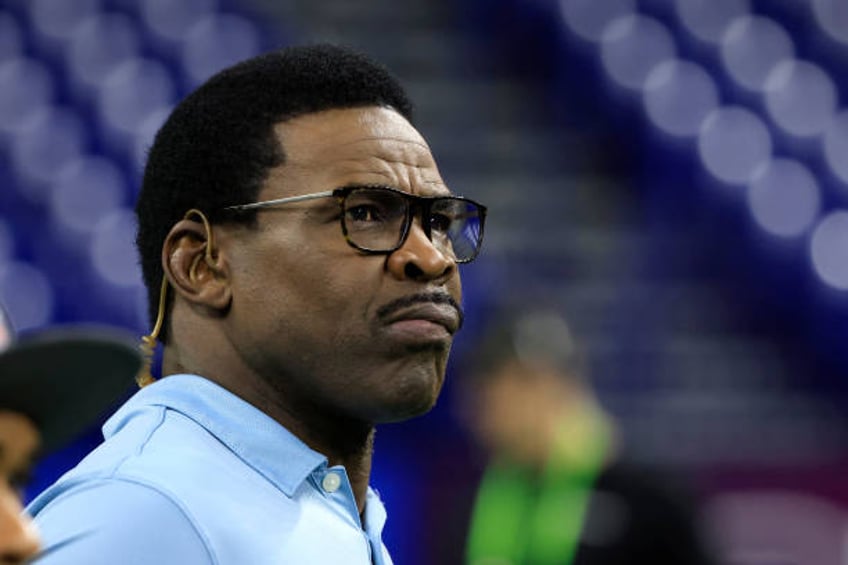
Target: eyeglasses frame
(425,203)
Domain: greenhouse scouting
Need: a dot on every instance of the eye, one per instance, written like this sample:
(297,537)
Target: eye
(440,222)
(364,213)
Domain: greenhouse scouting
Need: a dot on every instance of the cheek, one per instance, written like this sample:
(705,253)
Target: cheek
(289,274)
(329,297)
(335,288)
(454,287)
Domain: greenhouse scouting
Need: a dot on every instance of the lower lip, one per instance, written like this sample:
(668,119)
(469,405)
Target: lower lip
(419,331)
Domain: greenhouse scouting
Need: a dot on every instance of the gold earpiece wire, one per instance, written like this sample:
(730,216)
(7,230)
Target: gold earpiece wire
(148,342)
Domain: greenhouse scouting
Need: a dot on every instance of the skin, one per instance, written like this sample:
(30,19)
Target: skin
(19,440)
(292,319)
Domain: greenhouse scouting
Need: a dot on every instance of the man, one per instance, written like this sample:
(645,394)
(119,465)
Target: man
(53,385)
(557,491)
(310,251)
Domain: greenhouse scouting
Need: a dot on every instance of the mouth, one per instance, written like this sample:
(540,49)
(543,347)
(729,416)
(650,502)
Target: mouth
(424,314)
(423,317)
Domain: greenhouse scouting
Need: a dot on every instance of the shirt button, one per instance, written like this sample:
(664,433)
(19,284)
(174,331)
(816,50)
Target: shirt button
(331,482)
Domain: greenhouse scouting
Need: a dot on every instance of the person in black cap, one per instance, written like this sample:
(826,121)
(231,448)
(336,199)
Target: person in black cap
(53,385)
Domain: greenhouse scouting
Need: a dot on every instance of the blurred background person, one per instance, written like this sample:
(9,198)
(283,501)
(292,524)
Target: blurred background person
(54,384)
(556,490)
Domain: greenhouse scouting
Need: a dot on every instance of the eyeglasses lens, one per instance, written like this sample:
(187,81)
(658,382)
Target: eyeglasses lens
(375,220)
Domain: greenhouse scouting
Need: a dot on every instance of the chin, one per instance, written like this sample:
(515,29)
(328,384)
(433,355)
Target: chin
(413,410)
(416,395)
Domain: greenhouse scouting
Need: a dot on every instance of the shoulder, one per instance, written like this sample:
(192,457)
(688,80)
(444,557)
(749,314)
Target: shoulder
(120,521)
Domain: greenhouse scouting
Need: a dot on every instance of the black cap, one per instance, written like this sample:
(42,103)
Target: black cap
(66,377)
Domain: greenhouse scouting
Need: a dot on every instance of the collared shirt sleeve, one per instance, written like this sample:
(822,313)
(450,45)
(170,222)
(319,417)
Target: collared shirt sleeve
(119,521)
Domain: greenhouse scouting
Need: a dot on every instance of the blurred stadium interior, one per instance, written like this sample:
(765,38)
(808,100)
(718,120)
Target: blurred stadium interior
(673,172)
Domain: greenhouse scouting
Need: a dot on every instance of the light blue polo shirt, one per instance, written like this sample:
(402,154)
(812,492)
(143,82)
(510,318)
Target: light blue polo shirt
(191,474)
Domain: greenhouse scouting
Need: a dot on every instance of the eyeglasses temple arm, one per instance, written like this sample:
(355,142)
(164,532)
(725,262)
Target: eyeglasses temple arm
(269,203)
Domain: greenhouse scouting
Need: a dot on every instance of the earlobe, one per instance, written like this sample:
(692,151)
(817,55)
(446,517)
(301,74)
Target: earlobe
(196,271)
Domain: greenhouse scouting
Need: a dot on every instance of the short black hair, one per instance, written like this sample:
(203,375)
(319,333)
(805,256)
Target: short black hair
(218,145)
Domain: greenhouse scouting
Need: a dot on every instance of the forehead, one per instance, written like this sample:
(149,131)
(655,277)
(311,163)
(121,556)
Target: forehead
(371,145)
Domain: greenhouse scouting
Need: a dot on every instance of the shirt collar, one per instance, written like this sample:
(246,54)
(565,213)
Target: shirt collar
(257,439)
(375,514)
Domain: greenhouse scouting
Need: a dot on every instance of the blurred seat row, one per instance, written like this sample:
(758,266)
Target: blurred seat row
(84,86)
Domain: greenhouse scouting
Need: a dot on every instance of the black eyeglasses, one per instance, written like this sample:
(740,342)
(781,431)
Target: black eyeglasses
(376,219)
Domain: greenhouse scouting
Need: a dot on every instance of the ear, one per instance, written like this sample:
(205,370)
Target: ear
(195,269)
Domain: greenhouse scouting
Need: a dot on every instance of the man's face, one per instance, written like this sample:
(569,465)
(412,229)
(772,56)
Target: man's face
(19,441)
(337,332)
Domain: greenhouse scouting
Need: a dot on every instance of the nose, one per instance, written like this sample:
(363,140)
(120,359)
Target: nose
(18,537)
(419,259)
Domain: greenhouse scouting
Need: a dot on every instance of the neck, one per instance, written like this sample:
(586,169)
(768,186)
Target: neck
(344,440)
